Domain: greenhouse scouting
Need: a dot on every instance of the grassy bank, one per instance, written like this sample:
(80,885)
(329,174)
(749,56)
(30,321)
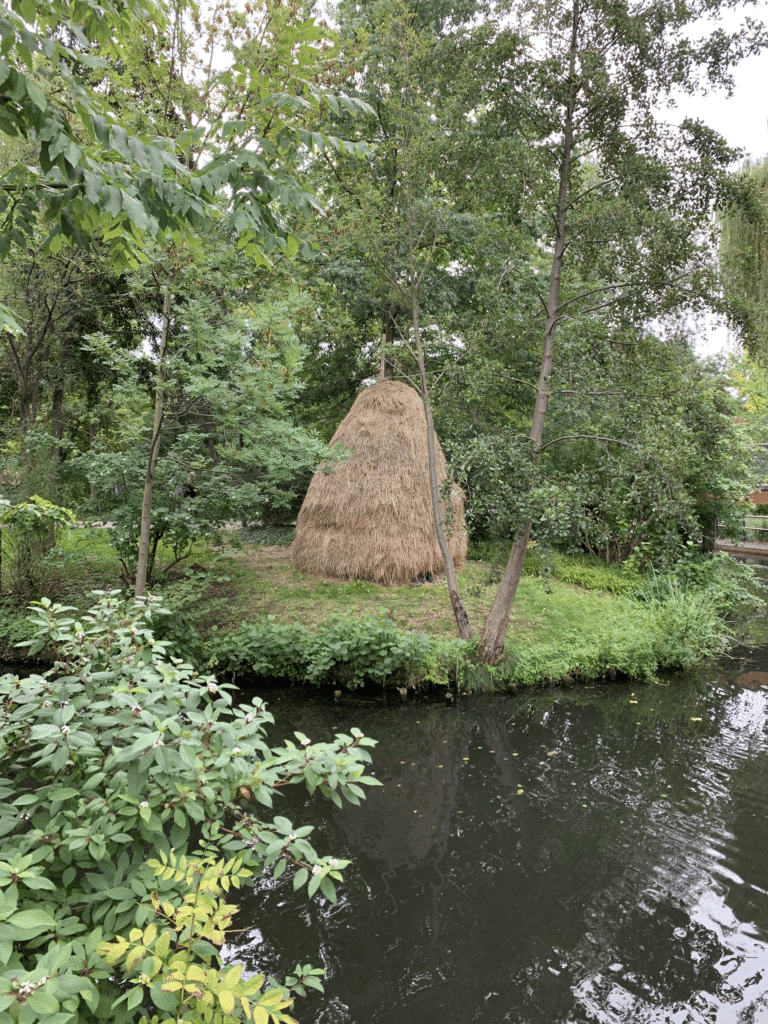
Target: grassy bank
(243,610)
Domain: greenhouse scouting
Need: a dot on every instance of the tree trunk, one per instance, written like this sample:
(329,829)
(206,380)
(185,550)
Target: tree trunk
(709,534)
(91,445)
(491,646)
(154,451)
(56,452)
(462,622)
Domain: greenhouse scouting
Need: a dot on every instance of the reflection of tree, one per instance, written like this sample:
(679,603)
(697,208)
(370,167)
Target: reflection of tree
(401,821)
(534,906)
(741,760)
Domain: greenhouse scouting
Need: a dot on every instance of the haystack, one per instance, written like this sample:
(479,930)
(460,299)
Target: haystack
(371,518)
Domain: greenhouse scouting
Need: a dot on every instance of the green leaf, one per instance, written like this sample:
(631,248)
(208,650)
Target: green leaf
(43,1004)
(119,892)
(40,882)
(135,997)
(36,95)
(327,888)
(32,919)
(300,878)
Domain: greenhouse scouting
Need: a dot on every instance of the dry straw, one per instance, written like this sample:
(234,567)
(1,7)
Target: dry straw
(371,518)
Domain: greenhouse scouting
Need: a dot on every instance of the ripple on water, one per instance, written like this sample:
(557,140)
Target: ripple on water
(554,859)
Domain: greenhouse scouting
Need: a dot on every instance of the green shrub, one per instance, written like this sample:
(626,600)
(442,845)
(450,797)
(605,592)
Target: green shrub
(729,583)
(129,789)
(592,574)
(344,649)
(26,533)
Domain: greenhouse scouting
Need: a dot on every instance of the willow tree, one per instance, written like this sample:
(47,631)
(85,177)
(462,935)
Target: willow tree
(744,258)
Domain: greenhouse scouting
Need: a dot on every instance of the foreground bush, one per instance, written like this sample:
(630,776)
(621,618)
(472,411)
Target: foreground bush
(129,790)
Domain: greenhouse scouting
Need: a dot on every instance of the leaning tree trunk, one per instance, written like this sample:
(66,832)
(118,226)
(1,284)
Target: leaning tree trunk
(491,646)
(154,451)
(462,622)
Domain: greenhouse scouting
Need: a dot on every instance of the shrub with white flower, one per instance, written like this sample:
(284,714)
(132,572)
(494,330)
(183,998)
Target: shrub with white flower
(148,767)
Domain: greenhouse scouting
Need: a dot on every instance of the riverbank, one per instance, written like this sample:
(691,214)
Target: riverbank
(241,610)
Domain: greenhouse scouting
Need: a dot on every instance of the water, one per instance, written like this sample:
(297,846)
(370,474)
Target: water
(595,855)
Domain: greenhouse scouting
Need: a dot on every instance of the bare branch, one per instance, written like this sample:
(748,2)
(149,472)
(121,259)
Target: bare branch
(588,437)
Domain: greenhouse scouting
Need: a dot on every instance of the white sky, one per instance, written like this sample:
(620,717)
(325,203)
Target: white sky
(743,120)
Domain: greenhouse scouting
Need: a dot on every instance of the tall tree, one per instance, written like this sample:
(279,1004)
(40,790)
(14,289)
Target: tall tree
(227,448)
(398,223)
(631,195)
(240,133)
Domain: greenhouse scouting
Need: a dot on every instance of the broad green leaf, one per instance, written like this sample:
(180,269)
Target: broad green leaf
(36,95)
(300,878)
(29,919)
(226,999)
(327,888)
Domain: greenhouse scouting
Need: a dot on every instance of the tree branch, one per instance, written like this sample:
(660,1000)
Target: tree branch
(588,437)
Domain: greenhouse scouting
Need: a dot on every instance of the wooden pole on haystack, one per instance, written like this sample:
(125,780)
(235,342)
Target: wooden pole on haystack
(385,367)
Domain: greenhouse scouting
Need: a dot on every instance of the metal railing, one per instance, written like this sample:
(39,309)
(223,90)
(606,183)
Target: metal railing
(754,528)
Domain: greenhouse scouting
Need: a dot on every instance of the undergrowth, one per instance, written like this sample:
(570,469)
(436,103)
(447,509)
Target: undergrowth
(345,651)
(578,570)
(626,638)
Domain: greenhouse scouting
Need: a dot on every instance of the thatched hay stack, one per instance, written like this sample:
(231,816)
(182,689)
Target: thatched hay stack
(371,518)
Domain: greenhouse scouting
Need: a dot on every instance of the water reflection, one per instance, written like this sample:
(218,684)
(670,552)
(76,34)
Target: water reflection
(583,856)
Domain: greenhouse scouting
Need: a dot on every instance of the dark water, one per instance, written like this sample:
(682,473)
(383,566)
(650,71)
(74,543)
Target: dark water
(593,855)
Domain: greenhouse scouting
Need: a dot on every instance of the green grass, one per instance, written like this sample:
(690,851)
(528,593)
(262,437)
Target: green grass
(573,617)
(580,570)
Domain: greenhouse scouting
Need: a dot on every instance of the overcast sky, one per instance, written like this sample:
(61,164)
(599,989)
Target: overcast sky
(741,118)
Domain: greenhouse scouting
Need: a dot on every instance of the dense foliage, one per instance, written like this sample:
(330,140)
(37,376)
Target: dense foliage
(346,651)
(744,257)
(179,352)
(134,792)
